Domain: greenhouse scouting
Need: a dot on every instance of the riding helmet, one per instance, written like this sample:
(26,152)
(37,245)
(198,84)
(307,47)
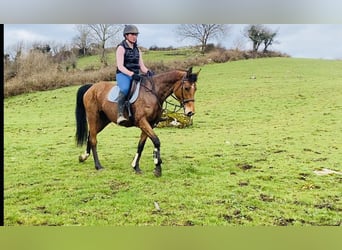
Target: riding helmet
(130,29)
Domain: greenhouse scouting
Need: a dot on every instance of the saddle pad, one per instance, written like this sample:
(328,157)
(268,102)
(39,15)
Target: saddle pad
(114,94)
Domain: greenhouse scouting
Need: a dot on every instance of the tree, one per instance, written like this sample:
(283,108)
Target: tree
(268,38)
(82,40)
(13,56)
(254,32)
(259,34)
(43,48)
(103,33)
(202,33)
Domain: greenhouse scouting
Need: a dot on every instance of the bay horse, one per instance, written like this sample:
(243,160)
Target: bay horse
(94,111)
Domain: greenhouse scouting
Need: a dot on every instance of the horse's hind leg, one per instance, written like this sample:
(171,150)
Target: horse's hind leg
(91,146)
(86,154)
(97,122)
(92,143)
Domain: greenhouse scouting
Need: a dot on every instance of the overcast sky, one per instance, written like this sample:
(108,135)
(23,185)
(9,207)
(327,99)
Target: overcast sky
(297,40)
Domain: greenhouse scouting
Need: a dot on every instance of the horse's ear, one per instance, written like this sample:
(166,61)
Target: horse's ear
(189,72)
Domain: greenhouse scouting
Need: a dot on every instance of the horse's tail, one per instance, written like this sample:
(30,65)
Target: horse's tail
(81,118)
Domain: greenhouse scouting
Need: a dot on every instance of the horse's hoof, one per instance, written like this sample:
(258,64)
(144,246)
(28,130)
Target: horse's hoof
(157,173)
(80,159)
(137,170)
(83,157)
(99,168)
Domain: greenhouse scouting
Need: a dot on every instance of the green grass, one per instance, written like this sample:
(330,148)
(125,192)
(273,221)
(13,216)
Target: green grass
(261,128)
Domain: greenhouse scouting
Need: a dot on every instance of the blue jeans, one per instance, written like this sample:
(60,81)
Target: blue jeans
(124,82)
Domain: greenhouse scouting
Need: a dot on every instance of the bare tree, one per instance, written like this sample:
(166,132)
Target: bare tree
(82,39)
(12,59)
(15,51)
(202,33)
(103,33)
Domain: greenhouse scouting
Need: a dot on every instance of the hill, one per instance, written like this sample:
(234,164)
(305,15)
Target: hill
(263,129)
(37,71)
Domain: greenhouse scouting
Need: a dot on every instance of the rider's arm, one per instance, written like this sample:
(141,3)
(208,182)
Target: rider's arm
(120,53)
(141,64)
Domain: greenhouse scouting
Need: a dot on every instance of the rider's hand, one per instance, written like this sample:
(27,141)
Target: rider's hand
(136,77)
(150,73)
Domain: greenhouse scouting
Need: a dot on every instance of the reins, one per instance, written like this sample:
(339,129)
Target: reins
(148,90)
(177,107)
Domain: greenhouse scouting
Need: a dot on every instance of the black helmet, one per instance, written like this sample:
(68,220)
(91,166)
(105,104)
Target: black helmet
(130,29)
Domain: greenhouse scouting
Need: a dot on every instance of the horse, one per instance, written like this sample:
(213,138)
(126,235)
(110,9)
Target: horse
(94,111)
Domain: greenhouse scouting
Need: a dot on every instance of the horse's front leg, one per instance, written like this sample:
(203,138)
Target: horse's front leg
(141,145)
(148,130)
(156,157)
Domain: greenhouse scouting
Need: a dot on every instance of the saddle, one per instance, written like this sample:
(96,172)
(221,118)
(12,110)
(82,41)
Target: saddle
(131,97)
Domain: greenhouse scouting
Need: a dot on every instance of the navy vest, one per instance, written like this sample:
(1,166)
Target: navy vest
(131,58)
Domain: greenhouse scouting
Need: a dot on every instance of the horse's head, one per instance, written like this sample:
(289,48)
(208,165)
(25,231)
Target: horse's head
(185,92)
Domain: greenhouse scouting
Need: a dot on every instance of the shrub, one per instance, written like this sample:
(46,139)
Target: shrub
(38,71)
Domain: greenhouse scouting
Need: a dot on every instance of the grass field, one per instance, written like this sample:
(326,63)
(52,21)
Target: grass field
(261,129)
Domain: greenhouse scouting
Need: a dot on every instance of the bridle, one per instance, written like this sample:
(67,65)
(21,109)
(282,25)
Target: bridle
(183,101)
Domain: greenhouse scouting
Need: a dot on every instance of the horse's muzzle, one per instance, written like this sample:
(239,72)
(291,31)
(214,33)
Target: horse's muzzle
(190,113)
(189,110)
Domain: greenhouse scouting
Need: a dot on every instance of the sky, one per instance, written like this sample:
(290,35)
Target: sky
(321,41)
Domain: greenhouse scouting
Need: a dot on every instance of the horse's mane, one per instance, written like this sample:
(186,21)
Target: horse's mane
(192,77)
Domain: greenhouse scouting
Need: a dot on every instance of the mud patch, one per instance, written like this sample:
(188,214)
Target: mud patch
(279,151)
(328,205)
(117,186)
(303,176)
(189,223)
(266,198)
(283,221)
(236,217)
(243,183)
(310,150)
(245,166)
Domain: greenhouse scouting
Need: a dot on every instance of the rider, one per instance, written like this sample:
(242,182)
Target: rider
(129,64)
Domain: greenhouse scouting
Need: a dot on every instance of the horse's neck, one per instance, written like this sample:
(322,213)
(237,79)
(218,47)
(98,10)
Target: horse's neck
(165,84)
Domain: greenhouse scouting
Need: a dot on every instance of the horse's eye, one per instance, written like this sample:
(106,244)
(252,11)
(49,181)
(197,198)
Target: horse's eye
(187,88)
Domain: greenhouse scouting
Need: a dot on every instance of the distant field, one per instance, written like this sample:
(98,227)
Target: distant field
(148,56)
(261,129)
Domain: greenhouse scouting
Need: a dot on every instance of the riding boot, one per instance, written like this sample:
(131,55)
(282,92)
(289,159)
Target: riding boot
(121,105)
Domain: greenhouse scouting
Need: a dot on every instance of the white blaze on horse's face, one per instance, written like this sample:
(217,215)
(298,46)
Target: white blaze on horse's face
(188,98)
(185,94)
(189,103)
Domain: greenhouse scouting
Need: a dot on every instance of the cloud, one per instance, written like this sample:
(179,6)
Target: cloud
(297,40)
(161,35)
(13,37)
(310,41)
(29,33)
